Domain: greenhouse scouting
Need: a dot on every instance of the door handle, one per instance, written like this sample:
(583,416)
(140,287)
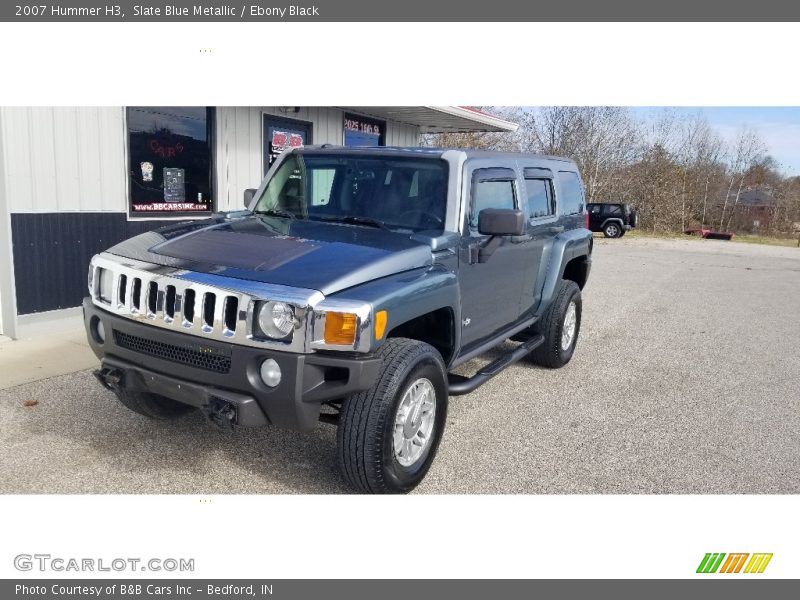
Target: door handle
(556,229)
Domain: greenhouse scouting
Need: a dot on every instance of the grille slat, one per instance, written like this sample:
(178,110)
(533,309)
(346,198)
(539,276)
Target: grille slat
(208,312)
(123,289)
(214,360)
(189,298)
(136,295)
(230,313)
(169,303)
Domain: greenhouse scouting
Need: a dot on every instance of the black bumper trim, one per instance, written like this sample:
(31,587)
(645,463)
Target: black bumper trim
(307,380)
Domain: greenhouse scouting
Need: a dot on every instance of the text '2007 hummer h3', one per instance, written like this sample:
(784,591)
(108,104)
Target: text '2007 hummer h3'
(354,283)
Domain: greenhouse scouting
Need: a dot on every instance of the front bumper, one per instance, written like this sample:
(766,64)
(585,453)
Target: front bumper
(199,372)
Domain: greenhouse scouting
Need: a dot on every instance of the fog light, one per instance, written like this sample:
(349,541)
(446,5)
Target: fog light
(97,330)
(270,372)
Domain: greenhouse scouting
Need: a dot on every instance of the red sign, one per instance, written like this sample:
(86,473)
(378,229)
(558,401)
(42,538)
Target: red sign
(165,151)
(279,138)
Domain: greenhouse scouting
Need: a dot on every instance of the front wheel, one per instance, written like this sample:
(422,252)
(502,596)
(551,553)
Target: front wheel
(560,326)
(389,434)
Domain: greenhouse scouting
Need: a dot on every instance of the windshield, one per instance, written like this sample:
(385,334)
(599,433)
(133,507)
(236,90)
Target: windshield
(398,193)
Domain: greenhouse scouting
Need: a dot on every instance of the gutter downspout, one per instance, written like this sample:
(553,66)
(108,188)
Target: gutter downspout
(8,297)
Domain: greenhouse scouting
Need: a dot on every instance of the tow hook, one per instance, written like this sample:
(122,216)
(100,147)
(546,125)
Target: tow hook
(220,413)
(111,379)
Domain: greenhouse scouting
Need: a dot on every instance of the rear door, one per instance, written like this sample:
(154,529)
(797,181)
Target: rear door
(542,219)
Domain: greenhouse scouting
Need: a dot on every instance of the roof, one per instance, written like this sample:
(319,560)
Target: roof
(437,119)
(423,150)
(757,197)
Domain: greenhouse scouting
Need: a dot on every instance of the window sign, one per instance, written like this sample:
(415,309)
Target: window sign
(170,160)
(360,131)
(174,186)
(281,135)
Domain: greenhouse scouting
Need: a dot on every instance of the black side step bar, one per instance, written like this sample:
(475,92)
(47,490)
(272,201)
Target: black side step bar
(459,385)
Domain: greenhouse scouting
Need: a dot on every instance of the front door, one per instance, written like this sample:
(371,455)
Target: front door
(490,291)
(595,216)
(282,134)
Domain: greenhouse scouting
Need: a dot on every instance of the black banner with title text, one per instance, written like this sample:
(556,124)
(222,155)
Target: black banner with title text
(405,11)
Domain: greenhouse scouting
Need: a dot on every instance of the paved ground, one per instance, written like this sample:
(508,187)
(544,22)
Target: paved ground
(685,381)
(50,347)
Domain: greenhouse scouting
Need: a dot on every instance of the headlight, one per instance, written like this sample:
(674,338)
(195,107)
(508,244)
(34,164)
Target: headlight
(276,319)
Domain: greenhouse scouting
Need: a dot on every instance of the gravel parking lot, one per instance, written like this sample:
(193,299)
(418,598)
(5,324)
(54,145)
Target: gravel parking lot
(685,380)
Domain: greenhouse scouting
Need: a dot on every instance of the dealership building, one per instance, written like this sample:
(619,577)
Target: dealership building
(76,180)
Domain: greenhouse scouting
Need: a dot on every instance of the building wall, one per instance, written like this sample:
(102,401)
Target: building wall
(65,159)
(66,188)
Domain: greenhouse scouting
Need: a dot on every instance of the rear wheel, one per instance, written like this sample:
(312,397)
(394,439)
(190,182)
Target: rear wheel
(153,406)
(612,230)
(389,434)
(560,326)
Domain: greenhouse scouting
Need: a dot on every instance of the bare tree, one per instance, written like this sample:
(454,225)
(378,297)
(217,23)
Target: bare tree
(746,150)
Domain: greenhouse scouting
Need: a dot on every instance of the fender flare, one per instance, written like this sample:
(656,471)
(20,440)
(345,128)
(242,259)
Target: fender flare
(612,219)
(406,296)
(566,247)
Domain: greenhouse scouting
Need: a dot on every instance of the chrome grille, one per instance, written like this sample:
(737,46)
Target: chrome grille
(175,299)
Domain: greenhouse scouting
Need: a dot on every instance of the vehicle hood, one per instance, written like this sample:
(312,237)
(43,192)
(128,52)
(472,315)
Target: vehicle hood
(327,257)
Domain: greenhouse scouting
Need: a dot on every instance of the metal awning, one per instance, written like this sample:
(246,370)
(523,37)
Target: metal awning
(437,119)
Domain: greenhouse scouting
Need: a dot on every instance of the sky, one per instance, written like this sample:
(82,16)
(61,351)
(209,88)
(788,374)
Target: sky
(779,127)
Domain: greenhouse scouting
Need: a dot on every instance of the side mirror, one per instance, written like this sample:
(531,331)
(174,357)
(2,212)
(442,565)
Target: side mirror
(249,194)
(501,221)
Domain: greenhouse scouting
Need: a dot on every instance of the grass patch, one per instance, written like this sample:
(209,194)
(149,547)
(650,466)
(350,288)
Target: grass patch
(743,238)
(763,239)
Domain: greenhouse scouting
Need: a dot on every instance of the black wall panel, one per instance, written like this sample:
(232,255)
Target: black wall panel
(52,253)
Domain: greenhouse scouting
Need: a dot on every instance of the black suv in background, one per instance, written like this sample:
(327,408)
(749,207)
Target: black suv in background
(611,218)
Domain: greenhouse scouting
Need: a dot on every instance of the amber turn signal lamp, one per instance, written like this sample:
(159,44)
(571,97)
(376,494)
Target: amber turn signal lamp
(340,328)
(380,323)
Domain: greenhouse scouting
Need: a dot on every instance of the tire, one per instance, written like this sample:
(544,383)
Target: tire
(551,353)
(153,406)
(634,219)
(367,430)
(621,233)
(612,230)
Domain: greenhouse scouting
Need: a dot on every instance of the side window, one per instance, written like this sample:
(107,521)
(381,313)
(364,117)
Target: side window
(540,197)
(492,188)
(571,198)
(613,210)
(595,208)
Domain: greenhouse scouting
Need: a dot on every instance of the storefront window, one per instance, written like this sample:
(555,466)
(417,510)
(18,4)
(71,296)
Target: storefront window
(360,131)
(170,160)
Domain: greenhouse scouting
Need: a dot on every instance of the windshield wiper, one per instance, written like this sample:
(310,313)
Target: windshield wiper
(355,220)
(276,212)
